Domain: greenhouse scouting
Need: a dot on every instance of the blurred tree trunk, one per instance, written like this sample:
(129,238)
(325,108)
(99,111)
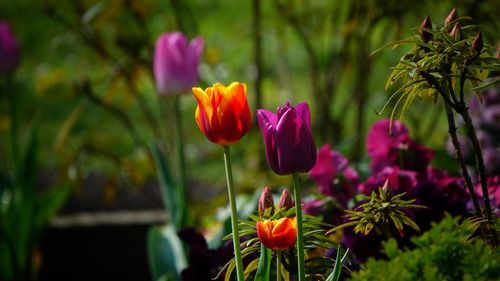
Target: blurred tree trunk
(257,40)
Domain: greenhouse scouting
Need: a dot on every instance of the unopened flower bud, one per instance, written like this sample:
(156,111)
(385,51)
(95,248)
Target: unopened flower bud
(387,186)
(456,32)
(424,27)
(265,201)
(452,16)
(477,44)
(285,200)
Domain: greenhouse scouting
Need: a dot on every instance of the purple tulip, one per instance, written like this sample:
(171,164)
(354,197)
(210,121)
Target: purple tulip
(288,139)
(176,63)
(9,49)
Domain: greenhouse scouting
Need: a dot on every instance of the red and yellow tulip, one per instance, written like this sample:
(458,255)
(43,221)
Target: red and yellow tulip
(279,234)
(223,114)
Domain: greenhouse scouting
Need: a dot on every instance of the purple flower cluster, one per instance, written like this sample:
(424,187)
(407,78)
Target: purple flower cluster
(485,115)
(334,176)
(407,166)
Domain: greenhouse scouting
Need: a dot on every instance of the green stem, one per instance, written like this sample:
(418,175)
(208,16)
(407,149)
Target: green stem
(12,108)
(181,156)
(300,232)
(471,132)
(452,130)
(278,266)
(13,254)
(234,215)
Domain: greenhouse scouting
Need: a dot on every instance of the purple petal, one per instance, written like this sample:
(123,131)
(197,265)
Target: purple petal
(267,123)
(304,113)
(295,146)
(380,139)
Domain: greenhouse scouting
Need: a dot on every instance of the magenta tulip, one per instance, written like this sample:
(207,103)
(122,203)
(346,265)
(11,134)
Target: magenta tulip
(176,63)
(9,49)
(288,139)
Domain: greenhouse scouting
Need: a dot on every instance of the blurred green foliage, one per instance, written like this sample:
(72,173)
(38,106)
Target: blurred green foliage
(86,75)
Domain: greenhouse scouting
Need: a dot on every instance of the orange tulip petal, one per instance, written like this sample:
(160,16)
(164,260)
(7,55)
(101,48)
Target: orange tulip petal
(277,234)
(223,114)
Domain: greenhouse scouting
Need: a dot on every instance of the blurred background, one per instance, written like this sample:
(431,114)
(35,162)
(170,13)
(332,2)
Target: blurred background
(86,110)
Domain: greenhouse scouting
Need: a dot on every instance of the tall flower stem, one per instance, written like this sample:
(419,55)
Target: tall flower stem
(452,130)
(12,108)
(471,132)
(234,215)
(181,155)
(278,266)
(300,238)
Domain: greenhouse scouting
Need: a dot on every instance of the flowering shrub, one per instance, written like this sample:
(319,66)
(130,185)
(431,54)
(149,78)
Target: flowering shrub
(395,158)
(435,257)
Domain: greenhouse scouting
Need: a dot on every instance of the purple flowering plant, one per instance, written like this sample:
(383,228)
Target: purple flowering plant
(446,65)
(402,178)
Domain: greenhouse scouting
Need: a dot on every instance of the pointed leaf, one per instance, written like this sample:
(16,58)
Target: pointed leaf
(165,252)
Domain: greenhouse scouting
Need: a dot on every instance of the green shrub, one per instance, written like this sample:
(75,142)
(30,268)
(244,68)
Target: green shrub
(439,254)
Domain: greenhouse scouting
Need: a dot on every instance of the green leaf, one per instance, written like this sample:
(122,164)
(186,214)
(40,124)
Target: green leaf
(264,268)
(49,202)
(486,85)
(339,261)
(166,255)
(171,195)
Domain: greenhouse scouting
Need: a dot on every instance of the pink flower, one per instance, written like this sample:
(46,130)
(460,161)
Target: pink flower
(395,148)
(334,176)
(380,140)
(9,49)
(176,63)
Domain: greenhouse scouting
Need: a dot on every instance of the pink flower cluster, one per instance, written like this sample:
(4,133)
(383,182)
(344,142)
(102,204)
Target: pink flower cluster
(394,157)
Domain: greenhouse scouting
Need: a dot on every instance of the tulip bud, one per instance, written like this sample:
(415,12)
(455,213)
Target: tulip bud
(456,32)
(9,49)
(426,24)
(265,201)
(477,44)
(285,200)
(452,16)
